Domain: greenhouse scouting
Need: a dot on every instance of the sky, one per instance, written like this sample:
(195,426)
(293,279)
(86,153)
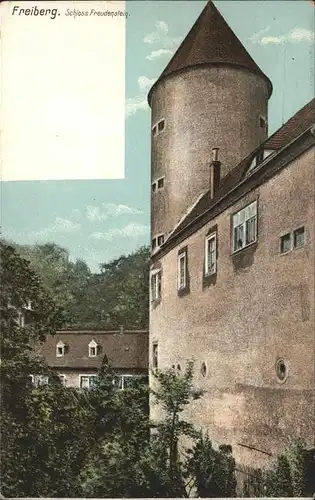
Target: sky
(98,220)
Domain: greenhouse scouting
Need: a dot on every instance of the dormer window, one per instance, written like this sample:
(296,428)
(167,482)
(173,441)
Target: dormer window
(60,349)
(262,122)
(92,349)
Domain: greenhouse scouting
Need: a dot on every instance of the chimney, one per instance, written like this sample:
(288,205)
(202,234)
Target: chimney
(215,172)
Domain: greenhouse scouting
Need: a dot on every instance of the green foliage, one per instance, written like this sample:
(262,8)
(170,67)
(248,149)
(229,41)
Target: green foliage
(287,478)
(213,470)
(117,295)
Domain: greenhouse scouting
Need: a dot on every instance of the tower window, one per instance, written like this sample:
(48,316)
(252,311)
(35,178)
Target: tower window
(281,370)
(158,127)
(210,254)
(160,183)
(181,271)
(156,282)
(161,125)
(155,361)
(299,237)
(153,244)
(203,369)
(285,243)
(245,227)
(154,187)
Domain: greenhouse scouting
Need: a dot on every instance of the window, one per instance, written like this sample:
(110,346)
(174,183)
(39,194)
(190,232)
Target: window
(158,127)
(299,237)
(210,254)
(39,380)
(60,349)
(153,244)
(92,349)
(281,370)
(259,157)
(285,243)
(203,369)
(155,355)
(160,240)
(63,379)
(125,381)
(181,276)
(262,122)
(161,125)
(87,381)
(156,286)
(158,184)
(245,227)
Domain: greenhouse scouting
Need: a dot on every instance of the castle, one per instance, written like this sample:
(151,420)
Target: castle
(232,261)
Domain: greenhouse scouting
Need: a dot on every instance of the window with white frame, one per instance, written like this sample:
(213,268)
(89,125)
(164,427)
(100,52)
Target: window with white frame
(211,254)
(60,349)
(124,381)
(63,378)
(92,349)
(156,282)
(181,271)
(245,227)
(39,380)
(87,381)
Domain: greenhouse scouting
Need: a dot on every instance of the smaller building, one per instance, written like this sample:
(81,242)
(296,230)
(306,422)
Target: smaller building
(76,356)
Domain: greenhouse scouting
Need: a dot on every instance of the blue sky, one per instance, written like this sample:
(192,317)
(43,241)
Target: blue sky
(100,220)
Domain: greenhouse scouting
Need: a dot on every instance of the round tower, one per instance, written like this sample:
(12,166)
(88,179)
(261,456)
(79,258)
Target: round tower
(211,94)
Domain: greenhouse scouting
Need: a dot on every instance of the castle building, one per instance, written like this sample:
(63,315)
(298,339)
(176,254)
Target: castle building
(77,356)
(232,261)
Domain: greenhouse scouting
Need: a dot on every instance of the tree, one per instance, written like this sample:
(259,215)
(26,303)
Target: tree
(27,315)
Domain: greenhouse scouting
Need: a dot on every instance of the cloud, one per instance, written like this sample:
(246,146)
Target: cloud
(156,54)
(168,44)
(132,230)
(145,83)
(161,29)
(60,226)
(296,35)
(95,214)
(166,48)
(139,102)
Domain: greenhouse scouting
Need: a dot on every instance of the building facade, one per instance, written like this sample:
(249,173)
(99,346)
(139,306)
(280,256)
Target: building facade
(77,356)
(232,263)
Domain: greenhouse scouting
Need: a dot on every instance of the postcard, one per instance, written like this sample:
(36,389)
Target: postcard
(157,249)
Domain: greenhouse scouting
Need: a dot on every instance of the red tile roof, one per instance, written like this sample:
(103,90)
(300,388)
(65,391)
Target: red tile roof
(295,126)
(210,41)
(127,350)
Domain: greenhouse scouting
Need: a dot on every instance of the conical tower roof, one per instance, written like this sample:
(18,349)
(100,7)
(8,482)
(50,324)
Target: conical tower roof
(210,42)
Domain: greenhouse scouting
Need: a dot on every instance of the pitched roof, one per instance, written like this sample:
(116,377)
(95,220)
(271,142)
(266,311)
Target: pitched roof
(127,350)
(294,127)
(210,41)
